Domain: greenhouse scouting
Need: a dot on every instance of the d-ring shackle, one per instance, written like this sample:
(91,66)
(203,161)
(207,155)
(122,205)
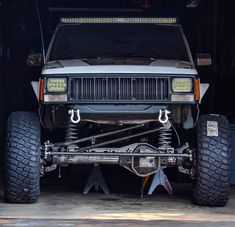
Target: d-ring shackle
(163,116)
(74,119)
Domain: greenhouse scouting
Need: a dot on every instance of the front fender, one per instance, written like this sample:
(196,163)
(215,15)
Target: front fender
(203,89)
(35,85)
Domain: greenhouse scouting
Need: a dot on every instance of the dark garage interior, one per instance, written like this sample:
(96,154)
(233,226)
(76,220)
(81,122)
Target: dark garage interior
(208,26)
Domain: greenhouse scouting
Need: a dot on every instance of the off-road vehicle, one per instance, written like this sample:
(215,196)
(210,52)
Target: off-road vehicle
(124,91)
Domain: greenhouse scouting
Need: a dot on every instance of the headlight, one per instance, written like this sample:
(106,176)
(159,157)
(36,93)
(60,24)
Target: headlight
(182,85)
(56,85)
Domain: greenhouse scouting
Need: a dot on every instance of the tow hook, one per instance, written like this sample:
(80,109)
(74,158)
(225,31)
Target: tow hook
(75,116)
(163,116)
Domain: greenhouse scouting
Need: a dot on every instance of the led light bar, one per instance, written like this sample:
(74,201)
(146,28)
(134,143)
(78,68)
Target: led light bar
(114,20)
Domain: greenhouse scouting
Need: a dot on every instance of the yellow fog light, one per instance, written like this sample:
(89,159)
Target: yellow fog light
(56,85)
(182,85)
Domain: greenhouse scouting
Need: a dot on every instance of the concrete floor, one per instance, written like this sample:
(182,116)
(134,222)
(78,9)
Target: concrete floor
(59,207)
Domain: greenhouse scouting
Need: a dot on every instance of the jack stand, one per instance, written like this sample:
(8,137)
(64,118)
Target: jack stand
(144,183)
(160,178)
(96,179)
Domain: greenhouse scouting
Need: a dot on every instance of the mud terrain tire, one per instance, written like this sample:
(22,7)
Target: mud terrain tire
(213,162)
(22,158)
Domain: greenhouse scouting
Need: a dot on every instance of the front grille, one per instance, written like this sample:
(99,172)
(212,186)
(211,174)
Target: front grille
(119,89)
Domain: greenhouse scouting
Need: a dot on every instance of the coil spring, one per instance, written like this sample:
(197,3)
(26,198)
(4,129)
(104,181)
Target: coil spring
(71,132)
(165,138)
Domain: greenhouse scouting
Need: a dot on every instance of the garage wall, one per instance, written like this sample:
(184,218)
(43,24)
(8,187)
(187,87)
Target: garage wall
(2,103)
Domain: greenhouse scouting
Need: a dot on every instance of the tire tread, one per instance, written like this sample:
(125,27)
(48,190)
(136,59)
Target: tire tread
(212,186)
(22,158)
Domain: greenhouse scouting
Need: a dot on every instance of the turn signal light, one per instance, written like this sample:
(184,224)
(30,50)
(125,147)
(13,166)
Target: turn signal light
(41,90)
(197,90)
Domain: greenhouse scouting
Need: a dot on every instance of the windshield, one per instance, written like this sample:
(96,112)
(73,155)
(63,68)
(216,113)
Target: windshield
(118,40)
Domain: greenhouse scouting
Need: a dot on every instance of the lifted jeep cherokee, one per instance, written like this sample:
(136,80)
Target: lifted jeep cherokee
(124,91)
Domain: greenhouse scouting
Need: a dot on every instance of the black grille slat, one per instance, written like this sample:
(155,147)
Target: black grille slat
(113,88)
(125,84)
(150,89)
(76,89)
(119,89)
(100,89)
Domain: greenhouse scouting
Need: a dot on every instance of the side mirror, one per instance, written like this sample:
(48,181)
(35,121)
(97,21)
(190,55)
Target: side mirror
(203,60)
(35,60)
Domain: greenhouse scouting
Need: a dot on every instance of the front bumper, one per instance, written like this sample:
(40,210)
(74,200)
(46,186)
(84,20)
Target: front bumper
(119,113)
(103,114)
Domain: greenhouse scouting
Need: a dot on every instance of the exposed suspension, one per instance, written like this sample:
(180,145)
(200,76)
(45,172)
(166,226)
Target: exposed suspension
(71,131)
(165,135)
(165,138)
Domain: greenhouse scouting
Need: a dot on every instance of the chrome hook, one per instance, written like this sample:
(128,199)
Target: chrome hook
(74,119)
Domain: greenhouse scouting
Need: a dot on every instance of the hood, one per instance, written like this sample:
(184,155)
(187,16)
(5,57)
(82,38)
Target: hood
(77,66)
